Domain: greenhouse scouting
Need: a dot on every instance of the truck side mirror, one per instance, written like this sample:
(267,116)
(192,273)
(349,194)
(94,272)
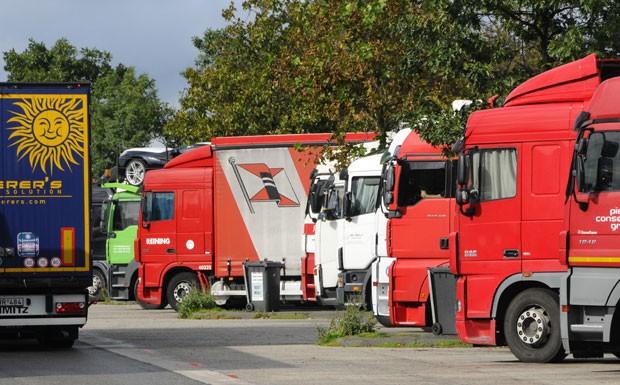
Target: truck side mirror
(388,184)
(105,217)
(465,197)
(462,197)
(462,173)
(145,213)
(582,146)
(346,206)
(331,208)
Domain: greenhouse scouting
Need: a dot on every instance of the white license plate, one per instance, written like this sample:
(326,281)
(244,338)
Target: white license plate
(12,301)
(14,306)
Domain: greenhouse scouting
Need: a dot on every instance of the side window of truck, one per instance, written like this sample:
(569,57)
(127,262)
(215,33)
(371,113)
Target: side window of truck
(125,215)
(495,173)
(421,180)
(364,195)
(161,206)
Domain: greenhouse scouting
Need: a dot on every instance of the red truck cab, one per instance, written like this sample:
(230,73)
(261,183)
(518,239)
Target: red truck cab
(512,232)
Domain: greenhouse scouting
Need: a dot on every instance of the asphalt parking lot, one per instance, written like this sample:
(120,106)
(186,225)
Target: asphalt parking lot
(247,350)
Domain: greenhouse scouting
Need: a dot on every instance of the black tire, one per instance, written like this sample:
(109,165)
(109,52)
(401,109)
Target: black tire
(532,326)
(384,320)
(145,305)
(436,329)
(99,285)
(179,286)
(135,171)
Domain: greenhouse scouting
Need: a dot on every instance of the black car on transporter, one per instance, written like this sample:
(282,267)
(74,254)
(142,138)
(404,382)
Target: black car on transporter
(133,163)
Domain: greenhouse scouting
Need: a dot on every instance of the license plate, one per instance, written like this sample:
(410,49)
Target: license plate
(14,306)
(11,302)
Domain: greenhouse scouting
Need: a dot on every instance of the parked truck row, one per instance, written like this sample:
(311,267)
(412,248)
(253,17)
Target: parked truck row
(511,242)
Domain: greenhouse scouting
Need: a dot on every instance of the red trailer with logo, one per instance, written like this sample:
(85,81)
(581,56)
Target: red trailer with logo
(537,262)
(218,207)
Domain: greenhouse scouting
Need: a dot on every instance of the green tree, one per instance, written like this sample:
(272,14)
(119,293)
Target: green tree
(367,65)
(126,111)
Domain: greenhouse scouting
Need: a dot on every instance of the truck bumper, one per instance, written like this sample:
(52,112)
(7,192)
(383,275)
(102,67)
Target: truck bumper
(23,310)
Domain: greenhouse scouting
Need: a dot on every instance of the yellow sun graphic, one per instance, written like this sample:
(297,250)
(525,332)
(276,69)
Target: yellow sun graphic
(50,132)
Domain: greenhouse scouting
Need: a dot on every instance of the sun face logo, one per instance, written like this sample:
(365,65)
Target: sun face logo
(50,132)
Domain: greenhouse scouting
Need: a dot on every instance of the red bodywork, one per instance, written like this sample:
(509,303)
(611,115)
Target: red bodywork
(521,236)
(414,240)
(210,232)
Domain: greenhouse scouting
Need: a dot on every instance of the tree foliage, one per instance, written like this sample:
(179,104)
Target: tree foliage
(299,66)
(126,111)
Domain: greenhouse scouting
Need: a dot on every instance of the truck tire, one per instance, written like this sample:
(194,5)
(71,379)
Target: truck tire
(98,287)
(532,326)
(145,305)
(384,320)
(179,286)
(135,171)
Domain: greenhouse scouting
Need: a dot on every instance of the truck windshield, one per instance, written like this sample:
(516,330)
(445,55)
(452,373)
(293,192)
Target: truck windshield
(494,173)
(125,215)
(420,180)
(364,194)
(602,163)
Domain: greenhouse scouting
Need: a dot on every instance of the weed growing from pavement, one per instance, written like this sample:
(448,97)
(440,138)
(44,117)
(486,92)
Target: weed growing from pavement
(196,301)
(352,322)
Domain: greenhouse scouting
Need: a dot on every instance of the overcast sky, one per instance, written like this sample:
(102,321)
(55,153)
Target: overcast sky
(154,36)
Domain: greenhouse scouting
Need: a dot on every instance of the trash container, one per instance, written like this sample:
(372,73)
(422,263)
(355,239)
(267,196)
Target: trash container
(443,300)
(262,282)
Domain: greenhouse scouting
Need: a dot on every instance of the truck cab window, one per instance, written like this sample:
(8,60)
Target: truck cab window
(125,215)
(602,163)
(159,206)
(494,173)
(364,195)
(421,180)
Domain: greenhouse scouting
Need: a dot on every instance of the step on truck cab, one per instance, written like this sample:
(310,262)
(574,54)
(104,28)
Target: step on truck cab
(212,209)
(45,266)
(417,199)
(535,266)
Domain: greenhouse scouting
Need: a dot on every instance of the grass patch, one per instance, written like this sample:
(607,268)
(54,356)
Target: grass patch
(274,315)
(352,322)
(197,301)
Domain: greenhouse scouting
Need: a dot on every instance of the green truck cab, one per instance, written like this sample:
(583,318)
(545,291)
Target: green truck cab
(115,211)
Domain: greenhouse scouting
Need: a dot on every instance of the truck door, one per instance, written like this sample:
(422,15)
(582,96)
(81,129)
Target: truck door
(158,242)
(329,234)
(360,225)
(122,230)
(490,229)
(194,224)
(594,226)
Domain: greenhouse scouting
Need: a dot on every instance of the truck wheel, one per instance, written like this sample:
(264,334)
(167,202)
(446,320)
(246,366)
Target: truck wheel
(384,320)
(96,290)
(532,326)
(145,305)
(179,286)
(134,172)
